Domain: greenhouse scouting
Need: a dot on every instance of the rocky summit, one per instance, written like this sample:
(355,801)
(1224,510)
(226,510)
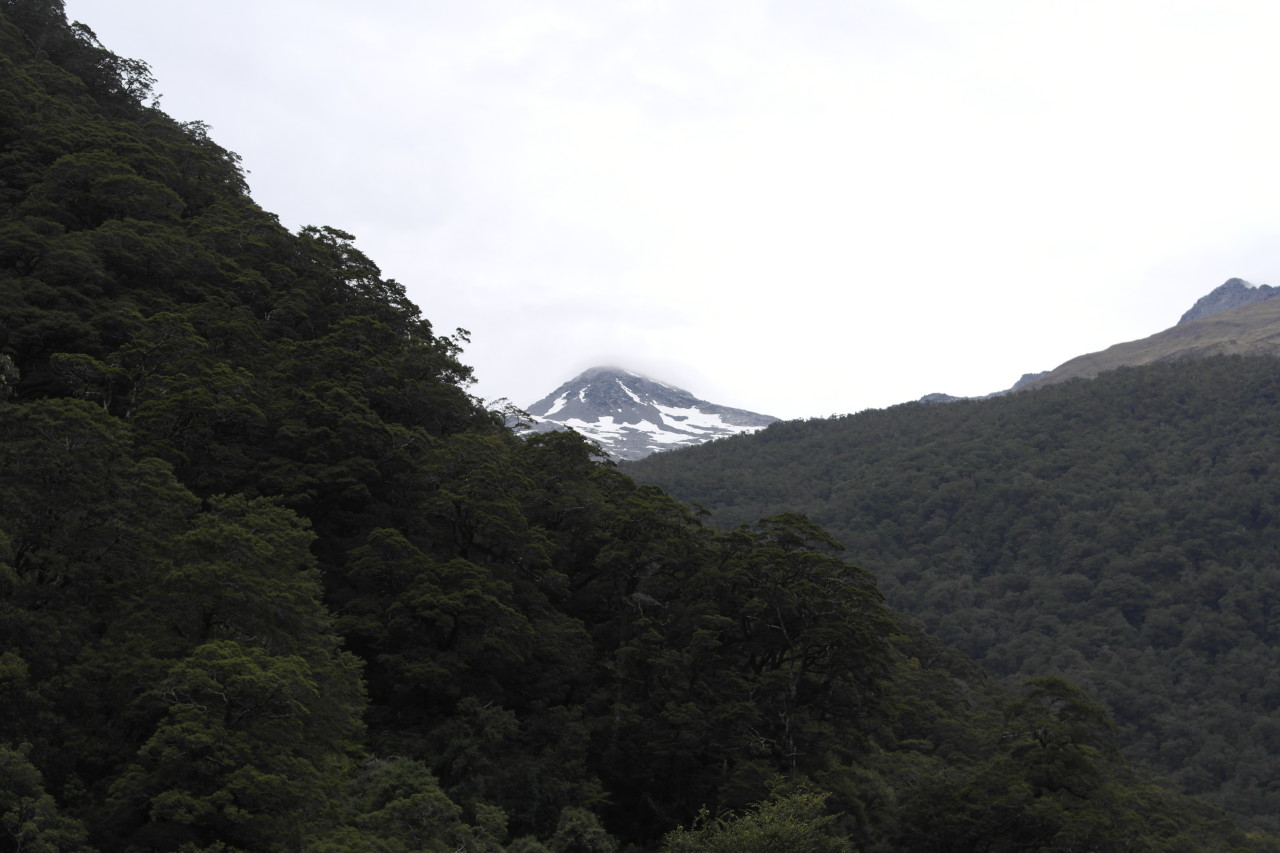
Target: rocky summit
(1233,293)
(632,416)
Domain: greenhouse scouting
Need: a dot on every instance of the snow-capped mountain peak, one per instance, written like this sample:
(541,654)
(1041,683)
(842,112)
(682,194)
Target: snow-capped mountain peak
(631,415)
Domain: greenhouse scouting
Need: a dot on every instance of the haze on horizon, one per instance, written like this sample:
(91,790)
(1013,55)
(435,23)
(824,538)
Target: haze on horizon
(795,208)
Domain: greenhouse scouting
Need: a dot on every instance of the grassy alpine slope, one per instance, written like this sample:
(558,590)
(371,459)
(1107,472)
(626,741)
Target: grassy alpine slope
(1248,330)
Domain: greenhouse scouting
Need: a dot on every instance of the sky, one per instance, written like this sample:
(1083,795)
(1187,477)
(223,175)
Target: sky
(800,207)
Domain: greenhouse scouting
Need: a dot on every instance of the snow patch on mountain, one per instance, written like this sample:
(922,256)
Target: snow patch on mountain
(631,415)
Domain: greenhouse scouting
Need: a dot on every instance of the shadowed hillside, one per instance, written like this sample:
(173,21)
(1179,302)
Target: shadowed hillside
(1120,531)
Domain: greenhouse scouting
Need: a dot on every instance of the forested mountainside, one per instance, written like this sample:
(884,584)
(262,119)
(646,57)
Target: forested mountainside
(271,580)
(1119,531)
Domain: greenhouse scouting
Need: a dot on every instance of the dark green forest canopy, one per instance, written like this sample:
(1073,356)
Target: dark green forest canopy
(271,579)
(1120,531)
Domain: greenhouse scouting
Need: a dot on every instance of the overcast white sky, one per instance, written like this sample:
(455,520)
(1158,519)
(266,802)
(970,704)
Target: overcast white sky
(800,207)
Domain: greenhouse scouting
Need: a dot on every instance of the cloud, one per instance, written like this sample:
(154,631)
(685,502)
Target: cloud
(804,207)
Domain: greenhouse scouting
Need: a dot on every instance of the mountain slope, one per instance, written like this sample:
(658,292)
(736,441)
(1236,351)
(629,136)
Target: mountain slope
(1248,332)
(632,416)
(1233,293)
(1121,532)
(1232,320)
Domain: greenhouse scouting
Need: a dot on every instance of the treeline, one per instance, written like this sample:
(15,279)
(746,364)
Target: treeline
(1121,532)
(270,579)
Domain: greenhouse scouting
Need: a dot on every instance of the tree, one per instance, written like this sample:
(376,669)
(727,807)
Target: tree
(794,821)
(30,821)
(241,757)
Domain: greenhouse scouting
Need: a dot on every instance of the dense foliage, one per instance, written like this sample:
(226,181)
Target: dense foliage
(270,579)
(1120,531)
